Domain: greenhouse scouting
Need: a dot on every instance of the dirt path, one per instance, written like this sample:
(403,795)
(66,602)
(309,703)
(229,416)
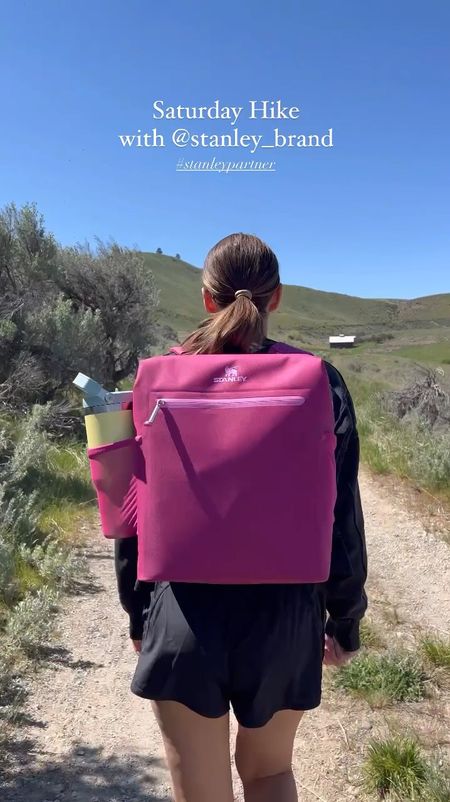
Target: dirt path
(88,738)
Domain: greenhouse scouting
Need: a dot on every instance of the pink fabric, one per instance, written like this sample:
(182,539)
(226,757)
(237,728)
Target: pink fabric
(237,494)
(114,468)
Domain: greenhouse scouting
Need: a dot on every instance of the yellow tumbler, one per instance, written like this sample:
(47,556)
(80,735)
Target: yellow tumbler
(106,418)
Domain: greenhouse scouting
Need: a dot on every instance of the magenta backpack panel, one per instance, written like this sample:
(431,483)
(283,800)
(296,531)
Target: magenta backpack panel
(240,478)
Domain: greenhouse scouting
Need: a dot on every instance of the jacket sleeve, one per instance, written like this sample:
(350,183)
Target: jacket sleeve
(134,596)
(346,599)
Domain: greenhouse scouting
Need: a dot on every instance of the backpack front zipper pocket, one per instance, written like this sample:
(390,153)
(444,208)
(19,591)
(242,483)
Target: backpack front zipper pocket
(224,403)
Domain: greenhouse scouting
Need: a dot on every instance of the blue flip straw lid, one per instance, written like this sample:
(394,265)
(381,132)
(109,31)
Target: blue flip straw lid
(96,396)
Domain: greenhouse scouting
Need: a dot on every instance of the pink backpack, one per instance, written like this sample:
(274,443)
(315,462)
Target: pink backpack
(237,477)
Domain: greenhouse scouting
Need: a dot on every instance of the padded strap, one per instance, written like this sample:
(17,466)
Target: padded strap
(272,347)
(283,348)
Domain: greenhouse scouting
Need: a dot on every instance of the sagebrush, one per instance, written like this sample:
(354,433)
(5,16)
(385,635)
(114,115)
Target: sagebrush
(37,564)
(407,446)
(68,309)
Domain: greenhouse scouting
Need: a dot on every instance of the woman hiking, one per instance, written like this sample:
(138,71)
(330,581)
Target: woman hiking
(258,648)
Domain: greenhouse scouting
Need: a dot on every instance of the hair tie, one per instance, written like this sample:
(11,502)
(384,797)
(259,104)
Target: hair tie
(246,293)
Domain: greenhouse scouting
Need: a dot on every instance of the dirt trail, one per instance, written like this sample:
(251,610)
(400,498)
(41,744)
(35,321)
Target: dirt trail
(87,738)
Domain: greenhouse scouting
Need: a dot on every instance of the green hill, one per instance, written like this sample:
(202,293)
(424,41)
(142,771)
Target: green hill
(305,313)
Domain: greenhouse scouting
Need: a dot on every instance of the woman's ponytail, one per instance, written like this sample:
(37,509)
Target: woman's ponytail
(236,262)
(240,324)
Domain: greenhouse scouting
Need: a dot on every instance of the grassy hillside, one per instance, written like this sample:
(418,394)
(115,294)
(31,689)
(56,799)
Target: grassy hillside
(434,353)
(309,316)
(179,285)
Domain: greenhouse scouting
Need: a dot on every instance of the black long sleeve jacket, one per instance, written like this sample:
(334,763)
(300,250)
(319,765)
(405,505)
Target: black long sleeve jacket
(346,600)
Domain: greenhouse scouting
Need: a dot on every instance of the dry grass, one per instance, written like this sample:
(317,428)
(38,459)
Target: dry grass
(437,651)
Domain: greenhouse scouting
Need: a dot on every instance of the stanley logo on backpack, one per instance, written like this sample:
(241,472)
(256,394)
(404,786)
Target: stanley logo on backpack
(231,375)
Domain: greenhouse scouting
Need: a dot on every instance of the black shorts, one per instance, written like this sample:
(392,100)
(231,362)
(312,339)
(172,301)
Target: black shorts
(256,647)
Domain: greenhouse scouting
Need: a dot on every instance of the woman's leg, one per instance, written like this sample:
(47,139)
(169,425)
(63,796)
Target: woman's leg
(198,753)
(264,759)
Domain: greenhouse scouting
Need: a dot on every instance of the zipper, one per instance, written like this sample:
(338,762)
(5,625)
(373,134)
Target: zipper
(225,403)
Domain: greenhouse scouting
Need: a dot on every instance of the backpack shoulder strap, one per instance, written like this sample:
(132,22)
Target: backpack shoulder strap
(272,347)
(284,348)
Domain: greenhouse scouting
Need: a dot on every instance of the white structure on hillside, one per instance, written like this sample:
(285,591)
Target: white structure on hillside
(342,341)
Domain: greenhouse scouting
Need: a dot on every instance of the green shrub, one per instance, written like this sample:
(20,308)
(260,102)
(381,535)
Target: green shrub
(58,566)
(437,651)
(31,445)
(395,766)
(39,484)
(30,623)
(382,679)
(66,309)
(19,516)
(408,448)
(27,576)
(370,636)
(64,476)
(19,502)
(7,571)
(41,487)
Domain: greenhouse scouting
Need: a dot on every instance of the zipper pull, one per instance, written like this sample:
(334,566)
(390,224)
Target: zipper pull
(160,403)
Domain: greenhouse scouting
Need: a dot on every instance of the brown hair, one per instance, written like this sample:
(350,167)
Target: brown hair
(237,262)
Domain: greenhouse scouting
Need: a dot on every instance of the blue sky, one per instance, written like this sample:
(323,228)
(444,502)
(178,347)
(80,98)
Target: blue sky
(368,217)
